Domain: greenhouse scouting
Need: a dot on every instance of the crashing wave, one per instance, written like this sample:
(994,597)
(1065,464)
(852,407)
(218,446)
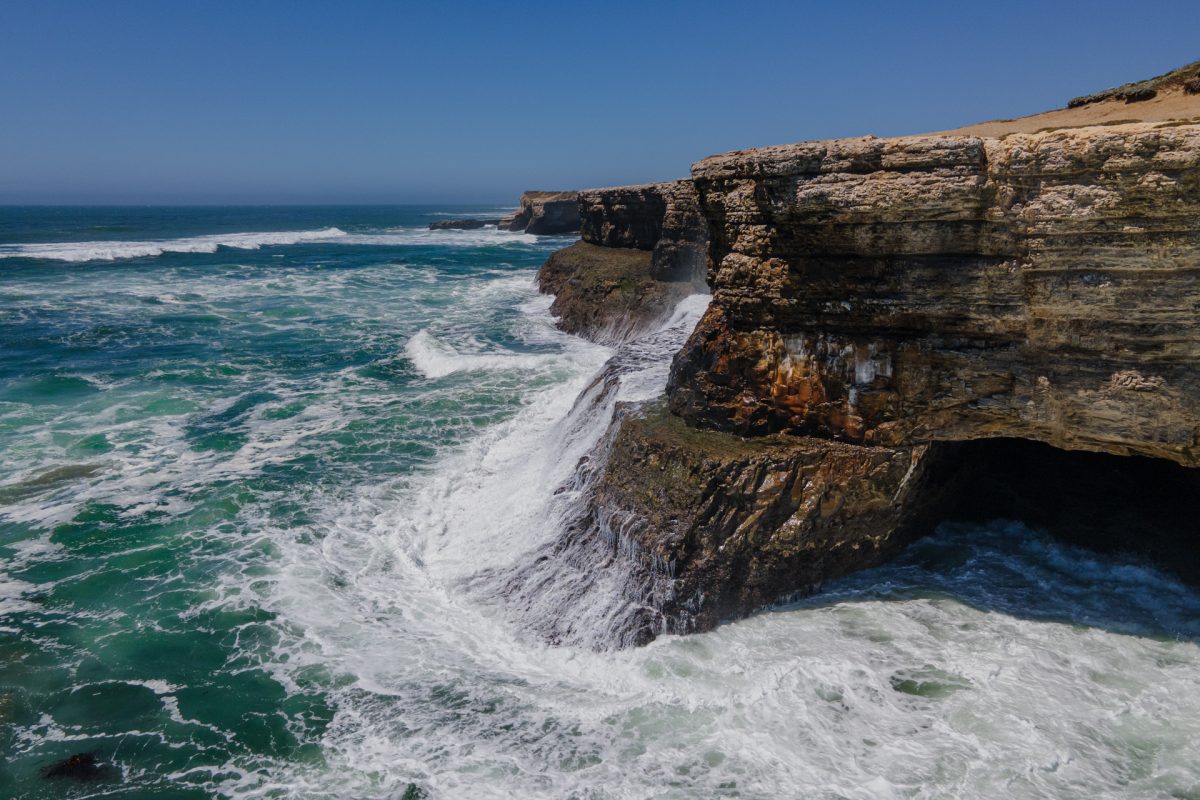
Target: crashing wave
(111,251)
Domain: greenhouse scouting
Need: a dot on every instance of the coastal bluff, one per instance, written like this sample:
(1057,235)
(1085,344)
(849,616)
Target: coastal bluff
(541,213)
(902,331)
(641,250)
(544,213)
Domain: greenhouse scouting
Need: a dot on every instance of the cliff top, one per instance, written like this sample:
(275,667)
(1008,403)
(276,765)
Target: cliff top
(1168,100)
(548,196)
(1173,96)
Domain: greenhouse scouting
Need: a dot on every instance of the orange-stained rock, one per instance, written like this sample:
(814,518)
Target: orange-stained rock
(889,291)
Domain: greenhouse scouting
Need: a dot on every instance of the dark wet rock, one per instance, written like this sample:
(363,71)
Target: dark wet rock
(607,293)
(80,767)
(719,526)
(461,224)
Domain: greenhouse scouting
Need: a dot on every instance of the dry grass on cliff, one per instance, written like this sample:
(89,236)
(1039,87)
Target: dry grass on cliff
(1176,99)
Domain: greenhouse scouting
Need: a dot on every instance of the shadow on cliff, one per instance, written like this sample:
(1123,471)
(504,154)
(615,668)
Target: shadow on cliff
(1044,534)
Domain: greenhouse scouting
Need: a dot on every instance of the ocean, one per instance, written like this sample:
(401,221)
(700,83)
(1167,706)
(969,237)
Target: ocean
(258,464)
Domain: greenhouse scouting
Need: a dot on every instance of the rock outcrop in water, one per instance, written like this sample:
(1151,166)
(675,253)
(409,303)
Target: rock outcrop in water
(544,213)
(462,224)
(877,305)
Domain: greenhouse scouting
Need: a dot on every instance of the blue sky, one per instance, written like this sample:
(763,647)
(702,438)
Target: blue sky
(303,102)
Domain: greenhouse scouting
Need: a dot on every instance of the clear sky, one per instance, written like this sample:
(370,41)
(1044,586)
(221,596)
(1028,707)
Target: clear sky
(305,102)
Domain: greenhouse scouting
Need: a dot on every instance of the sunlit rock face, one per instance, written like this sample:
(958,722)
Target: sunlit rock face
(898,329)
(895,291)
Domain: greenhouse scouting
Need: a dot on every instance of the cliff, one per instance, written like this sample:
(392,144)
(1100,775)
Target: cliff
(718,526)
(996,321)
(642,250)
(664,218)
(544,213)
(1040,286)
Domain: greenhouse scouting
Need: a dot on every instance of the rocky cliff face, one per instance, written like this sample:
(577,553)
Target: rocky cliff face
(1040,286)
(901,331)
(643,249)
(607,294)
(664,218)
(720,525)
(544,213)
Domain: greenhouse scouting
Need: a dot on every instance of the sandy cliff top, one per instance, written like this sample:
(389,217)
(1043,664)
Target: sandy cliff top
(1173,97)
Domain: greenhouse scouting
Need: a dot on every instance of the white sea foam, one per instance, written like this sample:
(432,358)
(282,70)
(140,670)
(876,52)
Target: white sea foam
(855,696)
(79,252)
(436,359)
(479,237)
(114,250)
(1006,671)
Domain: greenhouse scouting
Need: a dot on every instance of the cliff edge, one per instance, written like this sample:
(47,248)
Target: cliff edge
(899,330)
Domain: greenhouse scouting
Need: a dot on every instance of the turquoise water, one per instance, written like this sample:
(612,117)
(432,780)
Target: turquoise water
(255,461)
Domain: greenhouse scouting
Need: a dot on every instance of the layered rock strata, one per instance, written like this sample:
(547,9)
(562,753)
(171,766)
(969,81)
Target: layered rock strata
(643,249)
(544,213)
(607,294)
(889,292)
(664,218)
(903,331)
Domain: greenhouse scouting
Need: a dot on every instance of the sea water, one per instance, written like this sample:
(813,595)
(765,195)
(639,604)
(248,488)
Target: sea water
(256,464)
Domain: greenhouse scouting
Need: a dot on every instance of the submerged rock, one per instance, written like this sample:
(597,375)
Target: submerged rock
(80,767)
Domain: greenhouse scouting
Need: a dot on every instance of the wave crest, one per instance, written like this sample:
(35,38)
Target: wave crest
(111,251)
(436,359)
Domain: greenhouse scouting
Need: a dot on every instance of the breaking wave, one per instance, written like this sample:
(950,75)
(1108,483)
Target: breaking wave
(112,251)
(80,252)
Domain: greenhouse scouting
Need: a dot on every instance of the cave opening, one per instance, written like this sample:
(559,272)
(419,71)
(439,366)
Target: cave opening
(1144,508)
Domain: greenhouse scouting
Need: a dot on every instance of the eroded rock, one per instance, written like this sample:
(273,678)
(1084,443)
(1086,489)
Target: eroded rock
(721,525)
(544,213)
(664,218)
(894,291)
(461,224)
(607,294)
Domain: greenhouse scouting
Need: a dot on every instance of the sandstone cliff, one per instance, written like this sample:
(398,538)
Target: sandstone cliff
(720,525)
(643,249)
(903,330)
(664,218)
(1040,286)
(544,213)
